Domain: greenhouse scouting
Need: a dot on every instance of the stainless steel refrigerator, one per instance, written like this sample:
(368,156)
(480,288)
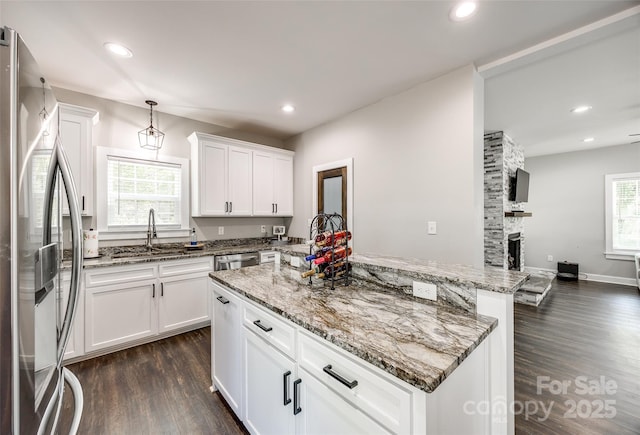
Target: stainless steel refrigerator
(34,320)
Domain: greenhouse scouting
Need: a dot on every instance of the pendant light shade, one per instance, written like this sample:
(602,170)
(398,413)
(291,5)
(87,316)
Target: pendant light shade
(151,138)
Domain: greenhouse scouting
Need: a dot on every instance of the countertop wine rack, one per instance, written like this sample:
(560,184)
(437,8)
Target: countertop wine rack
(333,223)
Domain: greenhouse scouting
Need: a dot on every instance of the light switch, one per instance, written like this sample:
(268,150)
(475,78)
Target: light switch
(220,231)
(431,227)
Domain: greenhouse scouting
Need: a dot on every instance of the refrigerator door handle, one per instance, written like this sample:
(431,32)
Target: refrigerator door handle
(76,245)
(59,161)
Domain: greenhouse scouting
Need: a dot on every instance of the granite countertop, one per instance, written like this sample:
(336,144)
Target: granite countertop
(487,278)
(121,256)
(419,342)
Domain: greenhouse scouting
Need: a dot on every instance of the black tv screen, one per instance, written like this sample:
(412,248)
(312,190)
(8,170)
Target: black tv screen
(520,190)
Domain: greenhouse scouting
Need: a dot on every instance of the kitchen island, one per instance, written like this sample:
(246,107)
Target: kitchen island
(425,365)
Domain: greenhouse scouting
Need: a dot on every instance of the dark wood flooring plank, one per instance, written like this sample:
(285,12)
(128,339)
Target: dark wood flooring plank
(157,388)
(585,329)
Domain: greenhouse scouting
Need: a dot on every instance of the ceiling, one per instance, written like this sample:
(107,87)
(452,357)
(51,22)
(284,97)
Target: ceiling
(235,63)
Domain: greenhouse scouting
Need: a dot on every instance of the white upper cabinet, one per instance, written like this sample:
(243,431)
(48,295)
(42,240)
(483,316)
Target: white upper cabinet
(76,132)
(272,184)
(231,177)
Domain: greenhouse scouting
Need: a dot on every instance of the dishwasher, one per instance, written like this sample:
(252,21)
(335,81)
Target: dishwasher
(236,261)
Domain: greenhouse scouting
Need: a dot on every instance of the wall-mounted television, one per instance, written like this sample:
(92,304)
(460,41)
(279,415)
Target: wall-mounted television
(519,191)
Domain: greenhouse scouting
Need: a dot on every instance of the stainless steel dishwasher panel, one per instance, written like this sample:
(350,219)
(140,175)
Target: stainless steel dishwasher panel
(236,261)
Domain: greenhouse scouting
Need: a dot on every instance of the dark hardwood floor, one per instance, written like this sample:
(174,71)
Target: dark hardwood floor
(583,333)
(582,328)
(157,388)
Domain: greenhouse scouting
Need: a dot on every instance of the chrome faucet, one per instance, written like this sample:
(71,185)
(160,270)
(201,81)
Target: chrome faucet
(151,229)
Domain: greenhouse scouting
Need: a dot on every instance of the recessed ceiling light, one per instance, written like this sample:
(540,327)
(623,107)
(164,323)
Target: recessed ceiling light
(588,139)
(463,10)
(580,109)
(288,108)
(118,49)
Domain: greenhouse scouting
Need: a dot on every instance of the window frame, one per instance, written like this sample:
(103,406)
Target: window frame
(106,233)
(610,252)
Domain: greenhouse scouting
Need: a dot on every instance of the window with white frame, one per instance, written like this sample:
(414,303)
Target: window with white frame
(129,185)
(622,215)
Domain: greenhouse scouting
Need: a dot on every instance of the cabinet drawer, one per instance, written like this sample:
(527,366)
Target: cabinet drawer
(119,275)
(277,332)
(192,265)
(374,394)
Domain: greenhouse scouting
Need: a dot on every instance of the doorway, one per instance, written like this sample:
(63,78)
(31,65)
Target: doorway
(332,192)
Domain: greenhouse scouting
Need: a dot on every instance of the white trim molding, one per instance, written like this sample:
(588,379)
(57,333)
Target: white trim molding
(102,155)
(589,276)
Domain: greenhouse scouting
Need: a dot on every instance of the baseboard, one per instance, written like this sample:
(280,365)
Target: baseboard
(589,276)
(610,279)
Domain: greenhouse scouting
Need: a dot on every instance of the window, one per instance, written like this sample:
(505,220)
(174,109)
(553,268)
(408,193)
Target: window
(622,215)
(130,185)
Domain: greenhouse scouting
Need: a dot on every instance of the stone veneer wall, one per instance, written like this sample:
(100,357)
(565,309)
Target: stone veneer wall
(502,156)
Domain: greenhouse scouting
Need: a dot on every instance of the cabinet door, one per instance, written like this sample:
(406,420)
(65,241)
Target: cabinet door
(182,301)
(263,173)
(213,179)
(120,313)
(283,185)
(267,388)
(325,412)
(240,186)
(76,135)
(227,347)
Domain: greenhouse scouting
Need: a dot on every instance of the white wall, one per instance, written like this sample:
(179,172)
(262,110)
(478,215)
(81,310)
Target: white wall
(418,157)
(566,197)
(118,128)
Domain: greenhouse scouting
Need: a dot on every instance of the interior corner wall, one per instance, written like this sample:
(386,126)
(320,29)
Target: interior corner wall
(566,197)
(417,157)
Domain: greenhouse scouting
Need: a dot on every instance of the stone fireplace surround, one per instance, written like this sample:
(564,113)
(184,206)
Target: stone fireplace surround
(502,156)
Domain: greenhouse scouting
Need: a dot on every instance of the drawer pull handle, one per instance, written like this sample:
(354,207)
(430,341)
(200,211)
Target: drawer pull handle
(222,300)
(153,292)
(261,326)
(339,378)
(161,289)
(296,397)
(285,388)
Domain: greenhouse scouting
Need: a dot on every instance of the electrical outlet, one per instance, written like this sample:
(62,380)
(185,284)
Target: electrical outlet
(263,228)
(425,290)
(431,227)
(295,261)
(549,257)
(220,231)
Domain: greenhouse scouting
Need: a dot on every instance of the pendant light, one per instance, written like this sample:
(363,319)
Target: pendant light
(151,138)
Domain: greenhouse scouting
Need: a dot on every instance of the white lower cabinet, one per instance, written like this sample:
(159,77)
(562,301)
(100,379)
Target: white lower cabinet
(118,314)
(226,349)
(323,411)
(269,376)
(285,387)
(129,303)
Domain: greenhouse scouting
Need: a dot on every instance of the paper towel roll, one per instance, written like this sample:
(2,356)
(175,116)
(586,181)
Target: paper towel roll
(90,248)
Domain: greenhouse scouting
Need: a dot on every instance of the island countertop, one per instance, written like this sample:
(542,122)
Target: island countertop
(417,341)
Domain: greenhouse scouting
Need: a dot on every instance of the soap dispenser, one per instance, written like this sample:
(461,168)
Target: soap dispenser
(194,239)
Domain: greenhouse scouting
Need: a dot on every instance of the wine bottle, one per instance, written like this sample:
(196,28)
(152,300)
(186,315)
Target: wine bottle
(335,271)
(331,238)
(319,253)
(321,268)
(333,255)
